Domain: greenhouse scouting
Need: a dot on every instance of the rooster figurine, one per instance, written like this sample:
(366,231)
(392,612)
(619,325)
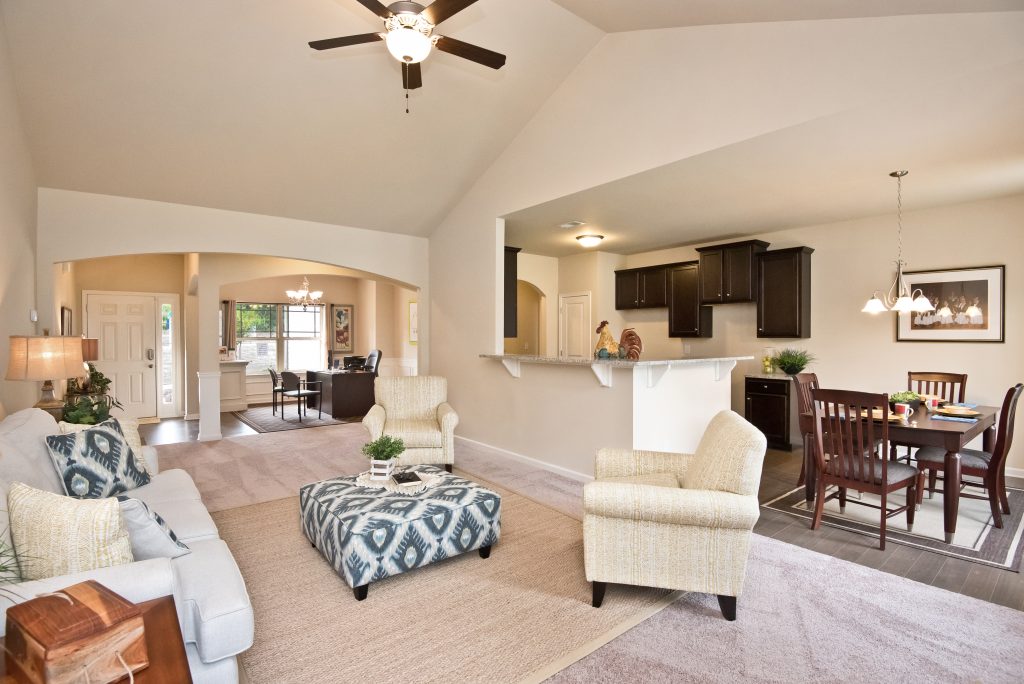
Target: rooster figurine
(632,343)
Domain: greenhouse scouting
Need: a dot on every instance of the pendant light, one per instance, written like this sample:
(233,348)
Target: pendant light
(899,297)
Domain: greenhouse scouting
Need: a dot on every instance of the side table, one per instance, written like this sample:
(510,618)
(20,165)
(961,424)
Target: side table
(168,663)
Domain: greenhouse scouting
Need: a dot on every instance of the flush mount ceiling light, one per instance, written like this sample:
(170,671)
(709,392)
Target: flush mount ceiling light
(589,240)
(899,297)
(569,225)
(303,297)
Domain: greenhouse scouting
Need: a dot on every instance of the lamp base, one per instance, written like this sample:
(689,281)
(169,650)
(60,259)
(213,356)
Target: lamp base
(49,403)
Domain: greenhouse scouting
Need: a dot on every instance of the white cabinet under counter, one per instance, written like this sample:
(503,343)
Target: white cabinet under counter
(232,386)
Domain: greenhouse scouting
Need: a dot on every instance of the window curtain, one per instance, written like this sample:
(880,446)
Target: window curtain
(229,332)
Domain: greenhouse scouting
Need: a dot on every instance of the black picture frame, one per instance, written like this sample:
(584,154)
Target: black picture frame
(957,289)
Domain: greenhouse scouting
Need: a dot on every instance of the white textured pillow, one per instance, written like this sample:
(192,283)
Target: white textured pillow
(58,535)
(149,534)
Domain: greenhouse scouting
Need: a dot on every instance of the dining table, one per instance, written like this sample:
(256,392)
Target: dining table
(928,429)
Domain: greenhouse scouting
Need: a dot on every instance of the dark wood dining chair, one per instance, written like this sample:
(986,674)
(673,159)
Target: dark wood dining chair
(296,387)
(952,387)
(276,390)
(844,428)
(805,384)
(990,467)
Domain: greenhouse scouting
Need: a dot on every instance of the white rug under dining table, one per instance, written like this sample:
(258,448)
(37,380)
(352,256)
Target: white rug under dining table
(976,538)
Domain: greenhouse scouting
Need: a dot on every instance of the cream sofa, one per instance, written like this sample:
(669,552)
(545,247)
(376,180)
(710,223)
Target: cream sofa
(677,521)
(214,612)
(415,409)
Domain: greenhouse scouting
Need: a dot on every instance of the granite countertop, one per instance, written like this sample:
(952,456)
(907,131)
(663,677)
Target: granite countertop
(765,376)
(614,363)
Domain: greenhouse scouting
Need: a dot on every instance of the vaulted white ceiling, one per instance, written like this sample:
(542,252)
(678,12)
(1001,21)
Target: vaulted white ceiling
(222,104)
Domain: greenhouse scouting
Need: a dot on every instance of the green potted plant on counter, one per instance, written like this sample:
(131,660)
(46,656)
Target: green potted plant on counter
(88,401)
(383,452)
(793,361)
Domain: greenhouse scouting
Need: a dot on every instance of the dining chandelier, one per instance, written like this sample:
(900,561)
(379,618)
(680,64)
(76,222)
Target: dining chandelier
(304,297)
(899,298)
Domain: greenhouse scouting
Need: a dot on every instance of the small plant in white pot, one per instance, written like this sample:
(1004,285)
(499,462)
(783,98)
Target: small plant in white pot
(383,452)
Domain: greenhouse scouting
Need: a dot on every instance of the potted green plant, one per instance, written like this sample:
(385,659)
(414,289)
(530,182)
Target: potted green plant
(793,361)
(905,397)
(383,452)
(88,401)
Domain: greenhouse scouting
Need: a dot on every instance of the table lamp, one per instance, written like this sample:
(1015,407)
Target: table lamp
(43,359)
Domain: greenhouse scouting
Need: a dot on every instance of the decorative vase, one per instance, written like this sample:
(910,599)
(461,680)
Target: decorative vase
(381,470)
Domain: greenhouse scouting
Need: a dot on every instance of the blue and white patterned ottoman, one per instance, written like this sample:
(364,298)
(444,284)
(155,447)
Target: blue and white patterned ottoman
(368,534)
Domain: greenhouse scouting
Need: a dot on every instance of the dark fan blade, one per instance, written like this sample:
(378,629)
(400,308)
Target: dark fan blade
(440,10)
(471,52)
(376,7)
(412,77)
(328,43)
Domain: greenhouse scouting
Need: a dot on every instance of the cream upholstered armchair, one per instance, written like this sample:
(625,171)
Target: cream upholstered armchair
(415,408)
(677,521)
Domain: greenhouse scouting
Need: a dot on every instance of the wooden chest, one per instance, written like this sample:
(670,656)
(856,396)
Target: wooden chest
(79,634)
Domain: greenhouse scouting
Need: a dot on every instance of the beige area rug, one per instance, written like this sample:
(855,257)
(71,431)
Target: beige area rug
(522,614)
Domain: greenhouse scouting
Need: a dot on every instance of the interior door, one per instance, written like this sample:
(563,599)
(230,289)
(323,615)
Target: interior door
(574,326)
(126,328)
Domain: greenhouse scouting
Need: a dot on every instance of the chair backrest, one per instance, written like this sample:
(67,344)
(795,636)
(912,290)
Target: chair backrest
(846,425)
(950,386)
(372,361)
(1004,437)
(274,377)
(805,383)
(289,380)
(414,397)
(729,457)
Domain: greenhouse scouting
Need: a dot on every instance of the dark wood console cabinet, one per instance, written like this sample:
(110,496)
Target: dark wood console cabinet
(784,293)
(727,271)
(767,403)
(686,316)
(345,394)
(641,288)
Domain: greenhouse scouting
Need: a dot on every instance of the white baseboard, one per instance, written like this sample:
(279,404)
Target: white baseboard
(1015,472)
(191,416)
(544,465)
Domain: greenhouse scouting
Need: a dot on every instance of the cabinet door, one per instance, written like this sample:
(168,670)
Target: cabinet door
(769,413)
(686,316)
(738,274)
(627,291)
(653,288)
(711,276)
(784,295)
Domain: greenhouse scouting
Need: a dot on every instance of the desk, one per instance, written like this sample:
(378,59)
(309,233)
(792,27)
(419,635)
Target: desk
(168,663)
(344,394)
(920,431)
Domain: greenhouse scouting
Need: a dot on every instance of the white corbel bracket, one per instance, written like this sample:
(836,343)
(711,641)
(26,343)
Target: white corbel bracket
(512,366)
(603,371)
(656,373)
(723,369)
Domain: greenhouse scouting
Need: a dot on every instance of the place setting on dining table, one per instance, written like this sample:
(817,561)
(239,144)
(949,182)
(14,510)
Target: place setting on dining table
(924,433)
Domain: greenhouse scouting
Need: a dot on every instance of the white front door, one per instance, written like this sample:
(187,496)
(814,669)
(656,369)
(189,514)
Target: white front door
(574,334)
(126,328)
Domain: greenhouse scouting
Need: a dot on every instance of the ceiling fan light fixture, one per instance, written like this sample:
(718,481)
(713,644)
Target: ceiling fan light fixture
(589,240)
(408,38)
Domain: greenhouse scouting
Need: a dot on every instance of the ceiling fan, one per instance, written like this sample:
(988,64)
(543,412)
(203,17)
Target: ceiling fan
(409,35)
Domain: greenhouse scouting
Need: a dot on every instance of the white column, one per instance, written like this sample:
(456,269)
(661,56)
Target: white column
(209,405)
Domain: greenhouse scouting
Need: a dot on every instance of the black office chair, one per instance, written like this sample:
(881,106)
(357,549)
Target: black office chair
(372,363)
(276,389)
(294,386)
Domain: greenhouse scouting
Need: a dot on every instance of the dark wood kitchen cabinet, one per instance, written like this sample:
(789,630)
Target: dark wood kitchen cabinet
(767,403)
(511,301)
(784,293)
(727,271)
(686,316)
(641,288)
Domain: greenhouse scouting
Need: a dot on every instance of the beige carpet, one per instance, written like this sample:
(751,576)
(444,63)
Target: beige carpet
(523,610)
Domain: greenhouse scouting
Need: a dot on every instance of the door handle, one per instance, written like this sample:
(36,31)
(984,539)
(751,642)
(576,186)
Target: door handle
(150,355)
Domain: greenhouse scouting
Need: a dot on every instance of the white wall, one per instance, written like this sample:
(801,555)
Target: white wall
(641,100)
(542,273)
(17,234)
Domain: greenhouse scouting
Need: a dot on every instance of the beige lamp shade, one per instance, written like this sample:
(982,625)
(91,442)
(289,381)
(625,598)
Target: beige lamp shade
(44,358)
(90,348)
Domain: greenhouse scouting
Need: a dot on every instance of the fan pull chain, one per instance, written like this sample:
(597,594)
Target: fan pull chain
(406,100)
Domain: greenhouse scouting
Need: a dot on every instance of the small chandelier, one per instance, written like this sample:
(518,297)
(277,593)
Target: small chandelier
(303,297)
(899,297)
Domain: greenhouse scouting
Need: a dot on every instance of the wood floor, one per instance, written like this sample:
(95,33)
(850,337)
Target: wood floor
(779,476)
(963,577)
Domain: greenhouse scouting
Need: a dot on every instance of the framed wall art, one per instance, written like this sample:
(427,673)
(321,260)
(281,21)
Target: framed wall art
(969,303)
(342,335)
